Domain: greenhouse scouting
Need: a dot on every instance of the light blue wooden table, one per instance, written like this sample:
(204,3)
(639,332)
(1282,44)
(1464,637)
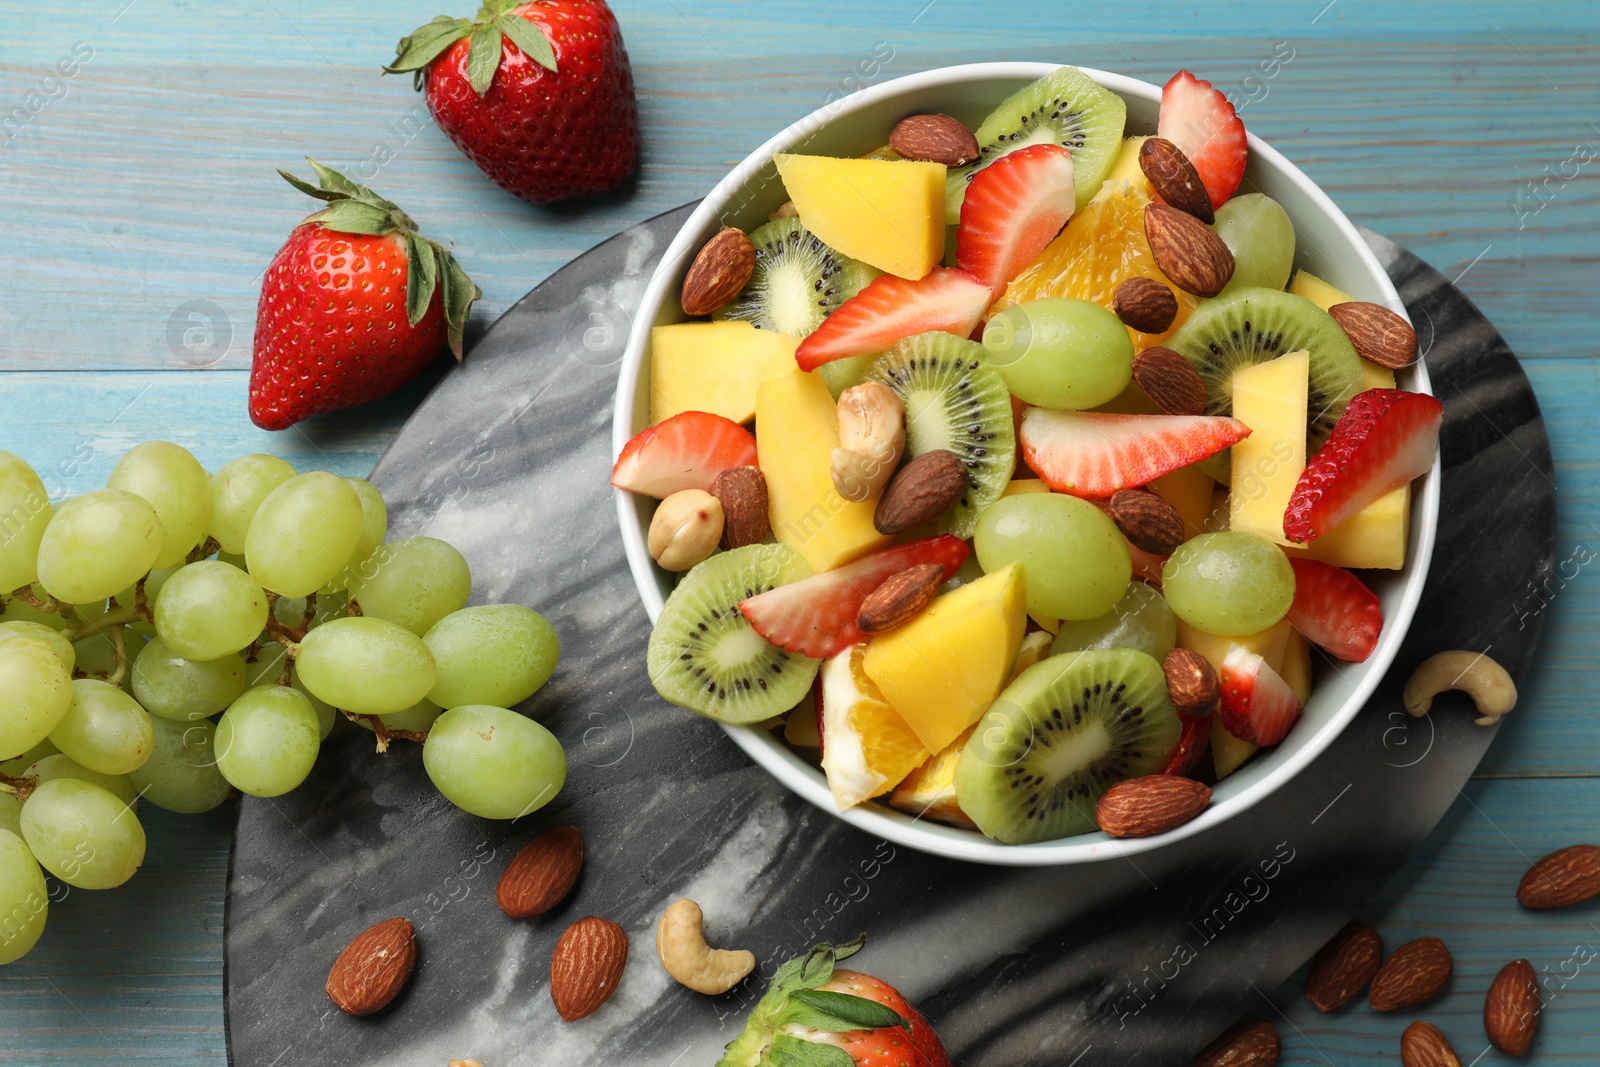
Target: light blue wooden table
(139,208)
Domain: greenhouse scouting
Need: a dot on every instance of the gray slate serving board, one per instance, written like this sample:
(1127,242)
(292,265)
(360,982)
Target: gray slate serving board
(1126,962)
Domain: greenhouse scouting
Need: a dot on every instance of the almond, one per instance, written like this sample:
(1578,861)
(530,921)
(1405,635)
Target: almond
(1173,178)
(745,518)
(374,967)
(1170,381)
(541,875)
(586,966)
(717,274)
(1422,1045)
(1191,682)
(1415,973)
(900,598)
(1511,1008)
(1246,1045)
(1567,876)
(1344,966)
(934,139)
(1154,804)
(923,489)
(1377,333)
(1147,520)
(1144,304)
(1187,251)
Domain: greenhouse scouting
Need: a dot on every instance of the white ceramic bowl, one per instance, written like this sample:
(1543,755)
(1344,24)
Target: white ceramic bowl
(1327,245)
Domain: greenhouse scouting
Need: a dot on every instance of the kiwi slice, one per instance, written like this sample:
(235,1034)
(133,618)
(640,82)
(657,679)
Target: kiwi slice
(1064,107)
(955,401)
(704,656)
(1248,326)
(1066,730)
(797,281)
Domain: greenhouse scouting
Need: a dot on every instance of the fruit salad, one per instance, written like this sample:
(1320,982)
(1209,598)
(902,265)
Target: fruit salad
(1003,466)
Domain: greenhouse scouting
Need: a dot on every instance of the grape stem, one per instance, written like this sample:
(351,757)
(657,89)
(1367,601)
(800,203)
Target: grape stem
(353,611)
(119,646)
(310,614)
(205,550)
(113,619)
(384,733)
(20,786)
(48,604)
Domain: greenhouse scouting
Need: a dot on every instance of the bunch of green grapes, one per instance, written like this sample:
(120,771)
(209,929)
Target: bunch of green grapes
(179,635)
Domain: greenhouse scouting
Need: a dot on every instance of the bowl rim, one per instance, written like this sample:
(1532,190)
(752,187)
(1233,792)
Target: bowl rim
(766,748)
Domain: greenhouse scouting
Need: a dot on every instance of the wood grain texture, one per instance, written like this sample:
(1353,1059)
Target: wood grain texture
(144,184)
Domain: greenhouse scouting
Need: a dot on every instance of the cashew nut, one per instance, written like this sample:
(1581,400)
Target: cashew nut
(872,435)
(681,944)
(685,529)
(1474,673)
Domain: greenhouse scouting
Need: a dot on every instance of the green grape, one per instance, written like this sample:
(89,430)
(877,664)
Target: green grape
(176,486)
(98,543)
(209,610)
(365,666)
(303,534)
(494,763)
(62,765)
(268,669)
(174,687)
(82,834)
(267,742)
(1141,620)
(1074,558)
(1058,352)
(10,817)
(419,717)
(237,491)
(412,583)
(1228,583)
(24,898)
(1258,232)
(97,655)
(105,729)
(181,774)
(19,764)
(25,511)
(38,631)
(36,690)
(16,611)
(374,528)
(498,654)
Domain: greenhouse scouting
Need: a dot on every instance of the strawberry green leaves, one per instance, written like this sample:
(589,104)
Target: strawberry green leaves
(841,1011)
(485,50)
(354,208)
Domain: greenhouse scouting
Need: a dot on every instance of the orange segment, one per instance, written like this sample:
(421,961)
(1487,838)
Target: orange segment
(1101,247)
(867,747)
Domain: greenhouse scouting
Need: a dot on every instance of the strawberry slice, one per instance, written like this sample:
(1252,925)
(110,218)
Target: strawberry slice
(1204,126)
(1014,208)
(687,451)
(1094,454)
(1192,744)
(1334,610)
(891,308)
(1384,439)
(816,616)
(1257,704)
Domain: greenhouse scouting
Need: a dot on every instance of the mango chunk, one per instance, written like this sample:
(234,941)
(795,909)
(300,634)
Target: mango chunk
(715,367)
(1319,292)
(1271,644)
(1270,398)
(797,429)
(1374,538)
(888,213)
(1375,377)
(1228,753)
(1189,490)
(1127,166)
(1296,668)
(943,669)
(1018,486)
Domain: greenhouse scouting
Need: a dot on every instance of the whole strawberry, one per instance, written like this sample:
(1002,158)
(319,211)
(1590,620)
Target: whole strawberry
(539,95)
(353,306)
(814,1014)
